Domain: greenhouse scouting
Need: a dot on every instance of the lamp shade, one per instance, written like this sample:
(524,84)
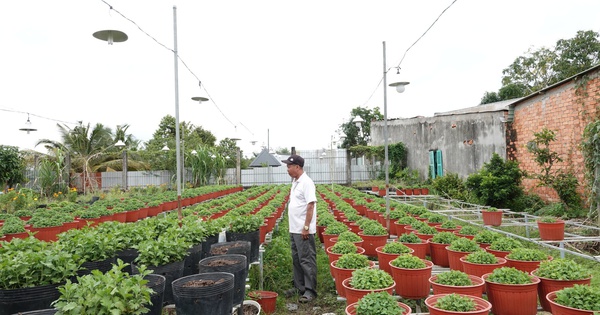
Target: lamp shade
(358,121)
(165,148)
(120,144)
(200,99)
(110,36)
(400,86)
(28,127)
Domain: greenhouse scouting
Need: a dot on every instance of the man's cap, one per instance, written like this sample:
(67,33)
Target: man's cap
(294,159)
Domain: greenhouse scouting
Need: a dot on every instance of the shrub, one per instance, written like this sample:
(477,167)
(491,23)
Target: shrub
(374,228)
(370,279)
(505,244)
(408,261)
(352,261)
(349,236)
(395,248)
(527,254)
(583,297)
(486,237)
(481,257)
(444,238)
(343,247)
(335,228)
(378,303)
(456,303)
(509,275)
(562,269)
(464,245)
(449,225)
(409,238)
(497,182)
(469,230)
(455,278)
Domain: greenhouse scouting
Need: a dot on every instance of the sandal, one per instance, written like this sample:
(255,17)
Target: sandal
(306,298)
(290,292)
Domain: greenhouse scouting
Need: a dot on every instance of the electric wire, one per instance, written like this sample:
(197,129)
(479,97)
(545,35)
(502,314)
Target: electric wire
(173,51)
(38,116)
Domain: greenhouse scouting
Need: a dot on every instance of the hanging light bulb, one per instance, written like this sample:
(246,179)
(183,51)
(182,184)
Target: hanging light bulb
(28,127)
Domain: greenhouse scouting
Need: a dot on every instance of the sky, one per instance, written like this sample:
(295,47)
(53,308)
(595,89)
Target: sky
(283,73)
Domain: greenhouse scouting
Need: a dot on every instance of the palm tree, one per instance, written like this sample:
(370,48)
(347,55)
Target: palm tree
(91,149)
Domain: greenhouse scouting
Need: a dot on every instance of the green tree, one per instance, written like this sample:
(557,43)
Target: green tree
(12,166)
(354,135)
(540,68)
(497,183)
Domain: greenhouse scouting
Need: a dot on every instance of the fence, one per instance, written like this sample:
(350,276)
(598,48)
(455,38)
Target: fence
(327,168)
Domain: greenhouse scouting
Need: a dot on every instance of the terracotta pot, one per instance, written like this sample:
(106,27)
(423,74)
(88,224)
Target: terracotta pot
(497,253)
(558,309)
(454,259)
(320,230)
(333,257)
(400,228)
(527,266)
(439,254)
(465,236)
(552,231)
(132,215)
(327,239)
(48,234)
(341,274)
(351,309)
(371,242)
(419,249)
(353,295)
(412,283)
(439,228)
(549,285)
(385,258)
(512,298)
(475,290)
(9,237)
(482,307)
(480,269)
(493,218)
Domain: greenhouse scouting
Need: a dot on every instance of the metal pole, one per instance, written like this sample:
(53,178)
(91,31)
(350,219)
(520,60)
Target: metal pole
(385,141)
(177,151)
(124,173)
(331,163)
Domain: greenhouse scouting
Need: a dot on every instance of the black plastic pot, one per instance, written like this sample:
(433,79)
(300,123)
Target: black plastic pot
(252,237)
(49,311)
(207,244)
(28,299)
(171,272)
(236,264)
(156,283)
(102,265)
(215,299)
(128,256)
(192,259)
(235,247)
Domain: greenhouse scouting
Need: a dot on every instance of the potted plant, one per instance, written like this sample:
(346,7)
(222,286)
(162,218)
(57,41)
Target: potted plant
(340,248)
(374,235)
(95,249)
(459,248)
(378,303)
(481,262)
(491,216)
(334,229)
(576,300)
(486,237)
(456,281)
(558,274)
(418,245)
(46,225)
(437,247)
(204,293)
(444,304)
(503,246)
(344,266)
(348,236)
(411,275)
(31,272)
(389,252)
(367,280)
(448,226)
(551,228)
(246,228)
(526,259)
(402,223)
(468,231)
(13,227)
(511,291)
(111,292)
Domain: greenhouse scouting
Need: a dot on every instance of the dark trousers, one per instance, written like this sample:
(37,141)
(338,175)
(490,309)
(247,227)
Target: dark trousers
(304,256)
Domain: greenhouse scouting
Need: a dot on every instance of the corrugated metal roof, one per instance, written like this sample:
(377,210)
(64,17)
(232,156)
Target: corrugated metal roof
(491,107)
(265,158)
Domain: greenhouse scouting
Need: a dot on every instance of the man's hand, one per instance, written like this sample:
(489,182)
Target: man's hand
(305,234)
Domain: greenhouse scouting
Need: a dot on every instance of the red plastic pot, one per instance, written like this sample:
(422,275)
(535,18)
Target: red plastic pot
(412,283)
(353,295)
(558,309)
(480,269)
(266,299)
(475,290)
(550,285)
(512,298)
(385,258)
(482,307)
(351,309)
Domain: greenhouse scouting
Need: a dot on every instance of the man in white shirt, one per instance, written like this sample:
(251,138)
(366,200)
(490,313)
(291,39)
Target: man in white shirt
(302,217)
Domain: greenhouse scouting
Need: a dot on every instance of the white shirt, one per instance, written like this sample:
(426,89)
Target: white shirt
(302,193)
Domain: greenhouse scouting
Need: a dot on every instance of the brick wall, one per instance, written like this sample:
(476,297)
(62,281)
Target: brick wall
(561,110)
